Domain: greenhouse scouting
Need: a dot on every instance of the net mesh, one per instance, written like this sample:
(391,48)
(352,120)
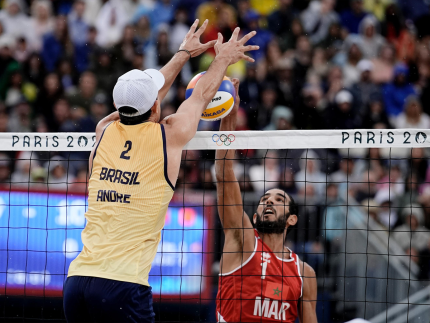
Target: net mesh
(364,214)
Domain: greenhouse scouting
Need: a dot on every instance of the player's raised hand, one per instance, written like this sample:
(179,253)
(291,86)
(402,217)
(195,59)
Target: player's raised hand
(235,48)
(192,42)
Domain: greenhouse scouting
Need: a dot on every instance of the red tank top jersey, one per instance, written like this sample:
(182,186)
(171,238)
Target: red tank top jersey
(264,289)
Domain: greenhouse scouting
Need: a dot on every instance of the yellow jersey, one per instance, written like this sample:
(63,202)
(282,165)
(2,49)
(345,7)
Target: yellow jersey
(129,193)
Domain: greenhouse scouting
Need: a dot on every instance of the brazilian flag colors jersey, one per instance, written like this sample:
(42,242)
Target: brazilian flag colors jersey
(129,193)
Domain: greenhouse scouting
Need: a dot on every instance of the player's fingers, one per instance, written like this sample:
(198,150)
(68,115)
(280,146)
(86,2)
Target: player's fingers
(248,59)
(210,44)
(235,34)
(219,40)
(193,28)
(202,28)
(247,37)
(249,47)
(235,82)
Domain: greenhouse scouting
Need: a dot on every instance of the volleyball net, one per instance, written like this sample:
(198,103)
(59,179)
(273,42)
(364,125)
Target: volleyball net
(363,224)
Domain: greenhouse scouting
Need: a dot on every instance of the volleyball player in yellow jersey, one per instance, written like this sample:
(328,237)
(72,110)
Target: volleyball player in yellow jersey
(134,168)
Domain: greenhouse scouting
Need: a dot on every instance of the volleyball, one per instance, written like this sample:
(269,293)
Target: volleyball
(221,104)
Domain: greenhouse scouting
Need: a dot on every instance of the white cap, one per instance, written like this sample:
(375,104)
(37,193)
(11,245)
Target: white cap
(343,96)
(365,65)
(138,89)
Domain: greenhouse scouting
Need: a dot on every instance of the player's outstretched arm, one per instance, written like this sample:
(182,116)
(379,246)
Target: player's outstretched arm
(192,44)
(238,230)
(184,122)
(308,302)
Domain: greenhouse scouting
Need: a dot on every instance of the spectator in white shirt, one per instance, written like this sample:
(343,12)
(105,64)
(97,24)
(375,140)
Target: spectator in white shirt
(412,116)
(41,23)
(15,22)
(110,23)
(266,175)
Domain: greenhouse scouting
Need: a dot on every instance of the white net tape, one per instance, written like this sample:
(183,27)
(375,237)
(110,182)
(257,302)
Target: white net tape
(209,140)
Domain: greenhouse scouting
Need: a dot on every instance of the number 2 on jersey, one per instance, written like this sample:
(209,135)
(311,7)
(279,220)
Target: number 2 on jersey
(128,146)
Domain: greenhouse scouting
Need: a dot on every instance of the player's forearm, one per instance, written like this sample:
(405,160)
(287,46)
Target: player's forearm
(171,71)
(224,158)
(209,84)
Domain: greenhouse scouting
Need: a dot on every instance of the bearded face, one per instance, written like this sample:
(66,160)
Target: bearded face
(271,226)
(272,212)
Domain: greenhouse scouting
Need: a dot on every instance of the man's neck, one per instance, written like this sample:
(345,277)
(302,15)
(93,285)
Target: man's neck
(275,242)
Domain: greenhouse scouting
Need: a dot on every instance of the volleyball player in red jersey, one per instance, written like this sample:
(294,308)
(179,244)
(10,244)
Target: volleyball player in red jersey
(260,279)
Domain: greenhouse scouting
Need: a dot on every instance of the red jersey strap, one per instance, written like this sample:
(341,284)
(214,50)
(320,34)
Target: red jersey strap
(296,260)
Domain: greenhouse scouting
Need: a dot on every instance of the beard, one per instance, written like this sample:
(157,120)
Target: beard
(271,227)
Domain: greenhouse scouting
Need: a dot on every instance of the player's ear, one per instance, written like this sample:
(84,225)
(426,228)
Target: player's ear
(154,108)
(254,218)
(292,220)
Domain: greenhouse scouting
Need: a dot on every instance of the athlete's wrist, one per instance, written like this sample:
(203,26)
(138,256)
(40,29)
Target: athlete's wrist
(184,53)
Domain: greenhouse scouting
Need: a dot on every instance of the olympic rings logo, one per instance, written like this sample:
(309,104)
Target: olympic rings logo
(223,139)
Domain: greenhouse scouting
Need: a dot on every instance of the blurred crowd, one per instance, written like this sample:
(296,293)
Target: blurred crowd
(322,64)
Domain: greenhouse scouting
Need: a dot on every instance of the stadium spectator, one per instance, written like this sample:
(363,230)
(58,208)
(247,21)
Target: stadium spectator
(353,50)
(98,111)
(411,188)
(387,215)
(417,168)
(56,45)
(412,115)
(261,115)
(49,93)
(283,74)
(318,18)
(364,90)
(340,115)
(110,23)
(250,88)
(366,188)
(383,65)
(262,38)
(26,162)
(14,20)
(87,89)
(307,114)
(16,87)
(375,116)
(287,182)
(163,13)
(396,92)
(310,181)
(106,71)
(345,174)
(20,117)
(412,233)
(178,28)
(41,23)
(80,183)
(78,27)
(159,53)
(352,17)
(58,178)
(371,39)
(281,119)
(61,121)
(280,20)
(266,175)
